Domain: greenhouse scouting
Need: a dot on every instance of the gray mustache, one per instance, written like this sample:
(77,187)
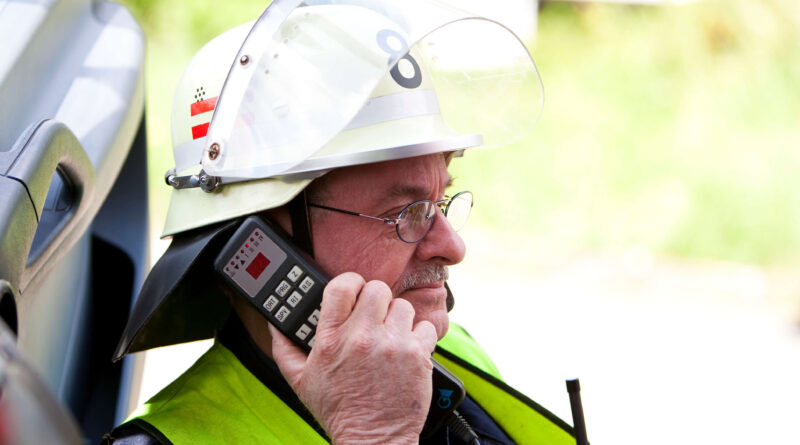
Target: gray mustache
(431,274)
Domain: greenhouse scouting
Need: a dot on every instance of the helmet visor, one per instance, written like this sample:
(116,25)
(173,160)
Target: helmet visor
(305,71)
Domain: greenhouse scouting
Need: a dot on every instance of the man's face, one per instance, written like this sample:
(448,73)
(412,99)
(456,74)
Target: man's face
(346,243)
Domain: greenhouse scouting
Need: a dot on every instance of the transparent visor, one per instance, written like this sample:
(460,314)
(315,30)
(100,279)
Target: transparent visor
(307,69)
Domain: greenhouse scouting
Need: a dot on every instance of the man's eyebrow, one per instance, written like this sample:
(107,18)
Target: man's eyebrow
(407,191)
(413,191)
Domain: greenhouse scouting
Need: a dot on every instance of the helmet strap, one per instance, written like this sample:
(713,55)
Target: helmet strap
(450,301)
(301,223)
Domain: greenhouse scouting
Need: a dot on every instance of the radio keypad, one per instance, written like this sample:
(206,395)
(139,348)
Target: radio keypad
(314,317)
(295,274)
(271,303)
(306,284)
(294,298)
(303,332)
(282,289)
(293,291)
(282,314)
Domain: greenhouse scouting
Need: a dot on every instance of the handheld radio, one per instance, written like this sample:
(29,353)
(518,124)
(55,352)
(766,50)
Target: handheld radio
(285,284)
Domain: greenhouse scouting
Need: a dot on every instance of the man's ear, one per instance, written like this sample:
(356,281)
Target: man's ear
(292,218)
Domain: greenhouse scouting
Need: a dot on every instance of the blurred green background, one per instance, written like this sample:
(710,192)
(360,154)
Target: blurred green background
(674,127)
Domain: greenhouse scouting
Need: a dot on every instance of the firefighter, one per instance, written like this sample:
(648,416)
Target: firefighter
(334,123)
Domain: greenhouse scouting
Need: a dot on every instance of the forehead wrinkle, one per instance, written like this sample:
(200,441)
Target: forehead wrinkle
(424,176)
(414,191)
(407,191)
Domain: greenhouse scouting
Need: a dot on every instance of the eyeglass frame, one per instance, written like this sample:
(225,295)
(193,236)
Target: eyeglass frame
(396,221)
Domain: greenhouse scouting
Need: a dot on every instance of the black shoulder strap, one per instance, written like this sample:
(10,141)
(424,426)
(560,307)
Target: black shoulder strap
(135,432)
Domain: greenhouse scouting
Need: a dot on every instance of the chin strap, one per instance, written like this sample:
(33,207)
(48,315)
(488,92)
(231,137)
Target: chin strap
(301,224)
(450,301)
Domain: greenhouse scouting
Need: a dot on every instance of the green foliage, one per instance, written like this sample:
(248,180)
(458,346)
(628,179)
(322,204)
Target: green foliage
(674,127)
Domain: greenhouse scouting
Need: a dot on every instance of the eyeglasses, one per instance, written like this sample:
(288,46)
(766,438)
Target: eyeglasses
(416,219)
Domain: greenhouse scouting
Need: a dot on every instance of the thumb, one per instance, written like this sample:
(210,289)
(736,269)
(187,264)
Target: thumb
(291,360)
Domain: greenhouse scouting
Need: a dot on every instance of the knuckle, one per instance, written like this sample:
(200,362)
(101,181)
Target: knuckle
(403,306)
(347,283)
(414,352)
(427,327)
(374,292)
(325,345)
(378,288)
(388,355)
(427,334)
(408,348)
(363,344)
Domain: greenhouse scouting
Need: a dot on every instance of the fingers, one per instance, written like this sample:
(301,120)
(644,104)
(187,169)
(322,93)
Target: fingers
(362,333)
(400,316)
(357,306)
(426,334)
(373,303)
(339,298)
(401,319)
(349,297)
(290,359)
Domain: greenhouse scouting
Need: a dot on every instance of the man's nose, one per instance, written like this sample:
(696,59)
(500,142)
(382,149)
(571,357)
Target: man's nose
(441,243)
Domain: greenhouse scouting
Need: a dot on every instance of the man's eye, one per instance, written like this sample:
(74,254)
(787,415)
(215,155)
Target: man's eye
(416,213)
(412,212)
(392,213)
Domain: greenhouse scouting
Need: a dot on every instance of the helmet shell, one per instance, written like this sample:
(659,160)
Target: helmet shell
(400,118)
(192,109)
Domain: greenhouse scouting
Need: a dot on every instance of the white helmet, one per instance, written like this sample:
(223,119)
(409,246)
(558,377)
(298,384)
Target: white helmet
(329,85)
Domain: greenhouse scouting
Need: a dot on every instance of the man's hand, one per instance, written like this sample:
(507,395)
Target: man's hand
(368,377)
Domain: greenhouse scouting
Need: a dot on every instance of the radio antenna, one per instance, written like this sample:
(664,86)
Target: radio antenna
(579,423)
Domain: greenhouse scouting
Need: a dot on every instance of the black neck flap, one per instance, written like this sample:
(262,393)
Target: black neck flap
(180,301)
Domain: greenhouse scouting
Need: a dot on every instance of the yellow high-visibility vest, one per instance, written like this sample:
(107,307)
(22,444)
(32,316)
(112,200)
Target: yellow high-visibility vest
(219,401)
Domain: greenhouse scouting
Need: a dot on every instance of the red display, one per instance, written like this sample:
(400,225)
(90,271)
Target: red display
(260,262)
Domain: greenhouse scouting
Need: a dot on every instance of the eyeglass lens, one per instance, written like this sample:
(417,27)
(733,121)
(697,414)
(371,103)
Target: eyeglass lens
(458,210)
(417,218)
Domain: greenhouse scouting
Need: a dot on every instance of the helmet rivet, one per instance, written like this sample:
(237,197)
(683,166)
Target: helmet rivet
(213,151)
(245,59)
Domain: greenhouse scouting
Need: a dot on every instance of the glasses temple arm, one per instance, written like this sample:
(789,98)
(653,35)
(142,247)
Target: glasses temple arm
(348,212)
